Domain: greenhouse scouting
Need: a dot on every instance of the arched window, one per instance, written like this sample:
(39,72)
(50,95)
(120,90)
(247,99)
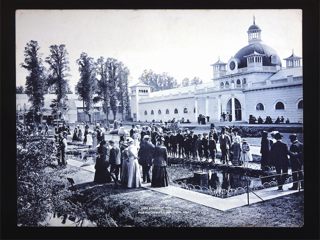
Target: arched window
(194,110)
(152,112)
(238,82)
(259,107)
(279,106)
(244,81)
(300,104)
(167,111)
(145,112)
(175,111)
(159,111)
(185,110)
(227,84)
(221,84)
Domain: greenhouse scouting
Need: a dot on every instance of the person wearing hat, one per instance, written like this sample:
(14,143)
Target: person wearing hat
(273,133)
(180,142)
(265,151)
(213,132)
(131,177)
(173,144)
(205,146)
(246,156)
(225,144)
(115,159)
(102,174)
(75,134)
(296,160)
(89,140)
(159,171)
(62,148)
(79,133)
(199,146)
(279,157)
(145,155)
(236,151)
(212,148)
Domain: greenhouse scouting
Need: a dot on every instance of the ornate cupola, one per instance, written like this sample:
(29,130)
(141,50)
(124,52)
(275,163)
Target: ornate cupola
(254,32)
(219,69)
(293,61)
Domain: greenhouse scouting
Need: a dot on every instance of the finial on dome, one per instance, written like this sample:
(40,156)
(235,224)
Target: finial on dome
(292,51)
(254,20)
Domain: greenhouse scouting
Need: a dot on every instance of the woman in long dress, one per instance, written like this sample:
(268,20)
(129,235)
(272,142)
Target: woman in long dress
(236,151)
(246,156)
(102,163)
(159,171)
(89,141)
(131,176)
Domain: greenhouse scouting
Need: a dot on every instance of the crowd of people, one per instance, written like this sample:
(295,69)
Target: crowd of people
(275,153)
(146,149)
(268,120)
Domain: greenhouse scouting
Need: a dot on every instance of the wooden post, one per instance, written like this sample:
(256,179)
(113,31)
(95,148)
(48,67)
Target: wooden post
(248,191)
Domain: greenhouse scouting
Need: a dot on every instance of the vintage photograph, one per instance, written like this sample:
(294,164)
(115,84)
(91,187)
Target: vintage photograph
(159,118)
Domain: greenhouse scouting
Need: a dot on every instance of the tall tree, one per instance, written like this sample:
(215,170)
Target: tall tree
(123,94)
(185,82)
(86,86)
(103,89)
(195,81)
(58,73)
(35,81)
(19,90)
(113,68)
(158,82)
(113,86)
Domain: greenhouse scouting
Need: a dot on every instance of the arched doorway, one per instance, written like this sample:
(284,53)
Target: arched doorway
(237,111)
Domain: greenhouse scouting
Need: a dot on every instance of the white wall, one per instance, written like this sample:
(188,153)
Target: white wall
(290,96)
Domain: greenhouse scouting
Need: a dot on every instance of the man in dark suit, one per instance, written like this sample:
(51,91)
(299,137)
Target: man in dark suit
(180,141)
(225,144)
(279,156)
(296,160)
(145,155)
(114,159)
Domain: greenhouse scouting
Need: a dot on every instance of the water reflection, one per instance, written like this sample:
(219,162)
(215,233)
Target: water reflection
(220,180)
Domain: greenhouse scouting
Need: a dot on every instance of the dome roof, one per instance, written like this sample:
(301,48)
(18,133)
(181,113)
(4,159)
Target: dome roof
(254,27)
(260,48)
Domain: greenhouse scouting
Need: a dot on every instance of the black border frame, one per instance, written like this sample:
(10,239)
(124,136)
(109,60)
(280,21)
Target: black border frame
(311,119)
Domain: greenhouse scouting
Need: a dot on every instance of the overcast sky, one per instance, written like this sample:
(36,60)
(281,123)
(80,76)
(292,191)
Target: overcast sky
(183,43)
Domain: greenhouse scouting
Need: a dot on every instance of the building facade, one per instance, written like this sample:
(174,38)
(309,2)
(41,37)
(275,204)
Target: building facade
(253,82)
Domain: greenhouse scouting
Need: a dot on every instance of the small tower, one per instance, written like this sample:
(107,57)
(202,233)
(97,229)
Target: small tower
(293,61)
(138,91)
(254,32)
(219,69)
(254,61)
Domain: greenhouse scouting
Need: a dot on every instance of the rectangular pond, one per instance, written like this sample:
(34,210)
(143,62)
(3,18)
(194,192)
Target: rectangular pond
(224,183)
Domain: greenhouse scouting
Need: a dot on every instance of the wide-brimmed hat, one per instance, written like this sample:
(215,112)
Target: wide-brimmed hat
(293,136)
(110,141)
(278,136)
(244,140)
(273,133)
(235,129)
(146,137)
